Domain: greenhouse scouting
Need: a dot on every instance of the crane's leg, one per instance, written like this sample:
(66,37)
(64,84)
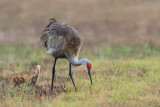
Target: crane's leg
(14,86)
(70,74)
(53,72)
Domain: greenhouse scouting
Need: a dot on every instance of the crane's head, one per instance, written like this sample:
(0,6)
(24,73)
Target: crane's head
(38,67)
(87,64)
(26,76)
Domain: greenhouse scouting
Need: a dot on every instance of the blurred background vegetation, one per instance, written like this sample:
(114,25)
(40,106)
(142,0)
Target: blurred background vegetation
(99,22)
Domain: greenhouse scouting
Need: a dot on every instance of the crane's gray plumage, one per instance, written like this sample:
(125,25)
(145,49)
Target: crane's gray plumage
(61,40)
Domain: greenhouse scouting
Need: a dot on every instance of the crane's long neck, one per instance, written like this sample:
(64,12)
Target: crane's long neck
(75,61)
(37,72)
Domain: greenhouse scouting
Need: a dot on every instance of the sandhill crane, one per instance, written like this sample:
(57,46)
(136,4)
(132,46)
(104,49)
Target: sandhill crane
(63,41)
(18,79)
(34,78)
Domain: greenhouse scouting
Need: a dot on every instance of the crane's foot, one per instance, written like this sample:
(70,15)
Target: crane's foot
(51,88)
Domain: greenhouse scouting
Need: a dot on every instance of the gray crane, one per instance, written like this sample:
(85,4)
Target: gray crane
(63,41)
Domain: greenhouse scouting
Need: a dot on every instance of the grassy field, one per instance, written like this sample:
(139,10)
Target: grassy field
(122,76)
(120,37)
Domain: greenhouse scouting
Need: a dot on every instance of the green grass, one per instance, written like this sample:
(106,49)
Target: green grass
(122,76)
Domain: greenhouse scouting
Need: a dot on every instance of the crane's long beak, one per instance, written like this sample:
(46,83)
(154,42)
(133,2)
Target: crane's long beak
(89,73)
